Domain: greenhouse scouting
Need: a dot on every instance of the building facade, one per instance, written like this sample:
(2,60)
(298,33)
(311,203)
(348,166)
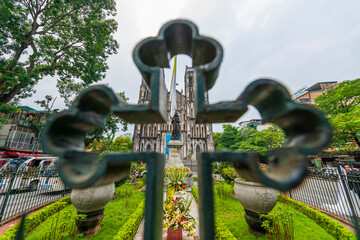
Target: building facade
(16,137)
(195,137)
(308,95)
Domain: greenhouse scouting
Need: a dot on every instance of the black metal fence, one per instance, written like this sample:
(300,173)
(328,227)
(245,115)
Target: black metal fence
(332,191)
(23,189)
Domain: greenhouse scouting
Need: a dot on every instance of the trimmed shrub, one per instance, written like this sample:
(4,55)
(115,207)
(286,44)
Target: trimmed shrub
(31,222)
(128,230)
(333,227)
(195,193)
(221,231)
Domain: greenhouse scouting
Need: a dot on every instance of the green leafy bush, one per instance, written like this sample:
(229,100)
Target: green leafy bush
(333,227)
(141,169)
(221,231)
(32,221)
(228,173)
(195,193)
(128,230)
(64,226)
(279,225)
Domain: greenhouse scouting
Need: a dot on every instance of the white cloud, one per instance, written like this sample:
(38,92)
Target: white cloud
(298,42)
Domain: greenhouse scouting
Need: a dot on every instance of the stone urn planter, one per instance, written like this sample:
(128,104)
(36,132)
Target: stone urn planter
(91,202)
(256,199)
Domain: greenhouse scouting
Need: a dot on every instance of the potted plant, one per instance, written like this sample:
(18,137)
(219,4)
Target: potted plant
(256,199)
(177,216)
(176,177)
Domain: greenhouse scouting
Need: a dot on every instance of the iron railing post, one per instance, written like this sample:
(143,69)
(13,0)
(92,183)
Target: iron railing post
(12,178)
(352,209)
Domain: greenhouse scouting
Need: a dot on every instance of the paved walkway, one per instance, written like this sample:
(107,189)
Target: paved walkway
(194,211)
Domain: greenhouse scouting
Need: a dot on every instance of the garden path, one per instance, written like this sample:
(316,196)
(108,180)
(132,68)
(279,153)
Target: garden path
(194,211)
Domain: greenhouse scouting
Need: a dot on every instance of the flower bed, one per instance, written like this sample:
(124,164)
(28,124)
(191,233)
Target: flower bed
(176,176)
(177,213)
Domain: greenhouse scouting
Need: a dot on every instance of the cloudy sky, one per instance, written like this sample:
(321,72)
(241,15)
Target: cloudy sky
(298,43)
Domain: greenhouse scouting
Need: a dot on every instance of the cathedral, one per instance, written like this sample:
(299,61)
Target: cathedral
(195,137)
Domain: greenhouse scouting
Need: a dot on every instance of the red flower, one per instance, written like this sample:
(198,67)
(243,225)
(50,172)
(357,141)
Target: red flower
(176,186)
(183,186)
(180,221)
(176,201)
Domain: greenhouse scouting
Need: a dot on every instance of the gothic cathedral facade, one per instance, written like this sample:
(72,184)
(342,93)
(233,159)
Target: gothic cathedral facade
(195,137)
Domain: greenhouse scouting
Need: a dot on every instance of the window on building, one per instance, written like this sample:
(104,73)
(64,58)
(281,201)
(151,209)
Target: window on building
(304,100)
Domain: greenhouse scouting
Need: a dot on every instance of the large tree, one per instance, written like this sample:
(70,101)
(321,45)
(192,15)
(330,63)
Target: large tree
(249,139)
(342,106)
(68,38)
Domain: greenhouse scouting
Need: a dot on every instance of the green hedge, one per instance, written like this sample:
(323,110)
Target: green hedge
(32,221)
(195,193)
(221,231)
(128,230)
(333,227)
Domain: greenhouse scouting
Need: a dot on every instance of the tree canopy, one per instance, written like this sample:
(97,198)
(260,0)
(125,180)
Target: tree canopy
(68,38)
(119,144)
(249,139)
(342,106)
(108,132)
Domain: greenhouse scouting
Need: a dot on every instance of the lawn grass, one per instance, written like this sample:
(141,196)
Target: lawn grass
(115,215)
(231,212)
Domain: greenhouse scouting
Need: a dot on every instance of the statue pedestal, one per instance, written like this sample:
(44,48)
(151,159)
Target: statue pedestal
(175,154)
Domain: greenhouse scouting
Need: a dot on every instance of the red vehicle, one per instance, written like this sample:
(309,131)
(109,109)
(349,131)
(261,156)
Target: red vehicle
(3,161)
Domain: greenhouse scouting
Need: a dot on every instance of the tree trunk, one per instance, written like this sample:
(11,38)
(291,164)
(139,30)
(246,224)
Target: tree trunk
(6,98)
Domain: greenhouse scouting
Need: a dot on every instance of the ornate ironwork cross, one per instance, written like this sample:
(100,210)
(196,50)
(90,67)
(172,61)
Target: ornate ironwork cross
(307,131)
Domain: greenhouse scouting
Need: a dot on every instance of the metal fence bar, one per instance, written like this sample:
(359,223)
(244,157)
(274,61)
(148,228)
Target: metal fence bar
(332,192)
(21,191)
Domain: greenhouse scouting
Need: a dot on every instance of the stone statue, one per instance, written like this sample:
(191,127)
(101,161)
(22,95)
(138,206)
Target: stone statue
(176,127)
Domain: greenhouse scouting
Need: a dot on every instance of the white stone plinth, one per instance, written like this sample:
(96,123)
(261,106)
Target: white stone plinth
(175,154)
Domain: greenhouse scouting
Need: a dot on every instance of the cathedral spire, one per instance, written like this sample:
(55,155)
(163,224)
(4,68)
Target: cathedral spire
(173,90)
